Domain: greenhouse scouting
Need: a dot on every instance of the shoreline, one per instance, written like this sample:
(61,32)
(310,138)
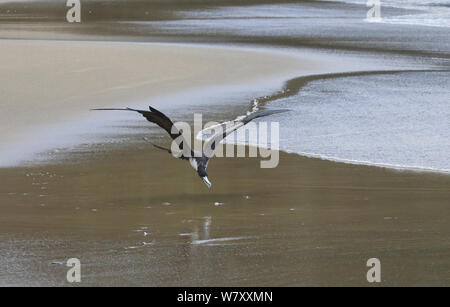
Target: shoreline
(293,87)
(54,83)
(56,72)
(283,83)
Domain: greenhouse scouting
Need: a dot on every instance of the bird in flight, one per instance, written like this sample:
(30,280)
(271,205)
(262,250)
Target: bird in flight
(198,160)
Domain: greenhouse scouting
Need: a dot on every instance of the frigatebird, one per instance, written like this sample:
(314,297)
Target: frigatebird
(198,160)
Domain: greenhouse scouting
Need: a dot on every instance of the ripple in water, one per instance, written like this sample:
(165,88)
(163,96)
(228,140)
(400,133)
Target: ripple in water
(395,120)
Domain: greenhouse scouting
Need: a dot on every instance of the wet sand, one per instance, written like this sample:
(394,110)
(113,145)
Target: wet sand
(151,221)
(134,216)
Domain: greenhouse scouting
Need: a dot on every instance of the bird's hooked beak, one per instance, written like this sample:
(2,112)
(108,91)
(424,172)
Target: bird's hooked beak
(206,181)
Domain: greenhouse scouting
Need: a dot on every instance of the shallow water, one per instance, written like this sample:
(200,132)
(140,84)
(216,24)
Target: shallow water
(396,120)
(432,13)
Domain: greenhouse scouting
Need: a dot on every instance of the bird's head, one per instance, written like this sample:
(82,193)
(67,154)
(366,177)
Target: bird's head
(202,173)
(207,182)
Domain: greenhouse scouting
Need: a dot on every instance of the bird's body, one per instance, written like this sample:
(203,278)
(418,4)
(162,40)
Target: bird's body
(193,163)
(198,160)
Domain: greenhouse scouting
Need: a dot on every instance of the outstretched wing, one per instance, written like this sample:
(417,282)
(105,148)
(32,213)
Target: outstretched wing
(251,117)
(226,128)
(161,120)
(169,151)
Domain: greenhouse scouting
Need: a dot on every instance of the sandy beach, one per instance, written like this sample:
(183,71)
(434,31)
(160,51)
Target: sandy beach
(81,184)
(307,222)
(46,83)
